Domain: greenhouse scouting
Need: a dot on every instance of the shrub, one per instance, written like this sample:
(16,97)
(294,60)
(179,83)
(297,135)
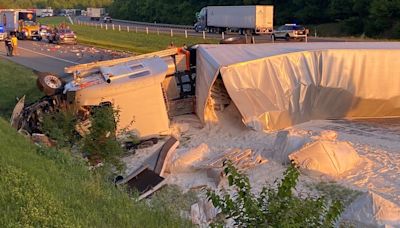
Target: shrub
(60,126)
(274,206)
(100,142)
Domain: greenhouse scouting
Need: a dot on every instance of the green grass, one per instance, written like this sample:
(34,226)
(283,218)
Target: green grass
(47,188)
(42,187)
(134,42)
(15,81)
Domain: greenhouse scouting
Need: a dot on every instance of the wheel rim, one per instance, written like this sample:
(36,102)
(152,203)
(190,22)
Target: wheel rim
(52,81)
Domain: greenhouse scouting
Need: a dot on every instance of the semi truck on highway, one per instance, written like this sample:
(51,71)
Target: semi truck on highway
(96,13)
(255,19)
(44,12)
(21,22)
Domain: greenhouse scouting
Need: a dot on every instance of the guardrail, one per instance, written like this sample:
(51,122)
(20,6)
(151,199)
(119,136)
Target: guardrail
(145,28)
(155,24)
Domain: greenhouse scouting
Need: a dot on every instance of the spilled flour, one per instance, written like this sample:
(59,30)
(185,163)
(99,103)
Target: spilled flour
(377,142)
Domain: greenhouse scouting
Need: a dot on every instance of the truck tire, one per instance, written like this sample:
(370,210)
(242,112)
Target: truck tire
(49,83)
(287,37)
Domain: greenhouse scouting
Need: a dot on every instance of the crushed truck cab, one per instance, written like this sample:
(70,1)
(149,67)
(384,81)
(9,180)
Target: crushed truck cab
(142,89)
(133,88)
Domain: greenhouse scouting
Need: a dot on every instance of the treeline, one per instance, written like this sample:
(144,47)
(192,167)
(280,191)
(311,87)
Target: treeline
(374,18)
(55,4)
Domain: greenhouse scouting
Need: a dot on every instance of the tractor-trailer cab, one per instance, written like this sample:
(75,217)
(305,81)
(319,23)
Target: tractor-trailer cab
(21,22)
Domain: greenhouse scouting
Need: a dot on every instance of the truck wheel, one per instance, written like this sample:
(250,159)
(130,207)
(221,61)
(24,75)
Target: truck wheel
(49,83)
(287,37)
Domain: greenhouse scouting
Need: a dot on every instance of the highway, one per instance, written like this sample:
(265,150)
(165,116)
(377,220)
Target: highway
(45,57)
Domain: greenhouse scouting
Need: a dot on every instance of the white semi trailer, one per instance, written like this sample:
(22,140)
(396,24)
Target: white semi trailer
(257,19)
(95,13)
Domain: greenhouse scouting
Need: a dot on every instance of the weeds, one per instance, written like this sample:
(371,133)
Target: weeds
(273,207)
(101,142)
(60,126)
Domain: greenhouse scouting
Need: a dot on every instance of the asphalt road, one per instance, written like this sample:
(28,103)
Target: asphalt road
(44,57)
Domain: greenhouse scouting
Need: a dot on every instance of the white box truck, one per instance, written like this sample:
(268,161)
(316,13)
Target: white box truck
(257,19)
(95,13)
(44,12)
(20,22)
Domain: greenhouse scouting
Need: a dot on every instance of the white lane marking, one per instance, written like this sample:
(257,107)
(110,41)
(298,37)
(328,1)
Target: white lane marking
(53,57)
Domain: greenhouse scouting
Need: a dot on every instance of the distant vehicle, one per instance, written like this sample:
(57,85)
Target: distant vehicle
(62,15)
(107,19)
(21,22)
(95,13)
(43,31)
(257,19)
(290,31)
(3,34)
(44,12)
(62,36)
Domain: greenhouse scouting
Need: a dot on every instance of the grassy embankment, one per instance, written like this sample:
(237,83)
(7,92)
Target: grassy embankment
(49,188)
(125,41)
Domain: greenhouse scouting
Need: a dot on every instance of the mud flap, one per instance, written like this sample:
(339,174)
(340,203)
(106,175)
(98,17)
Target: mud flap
(16,115)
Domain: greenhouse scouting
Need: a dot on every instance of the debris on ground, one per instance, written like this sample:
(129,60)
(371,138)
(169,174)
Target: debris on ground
(42,139)
(203,212)
(151,175)
(371,209)
(331,158)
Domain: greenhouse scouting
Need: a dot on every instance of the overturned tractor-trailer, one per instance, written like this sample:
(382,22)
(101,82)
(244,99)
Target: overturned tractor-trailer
(146,91)
(273,86)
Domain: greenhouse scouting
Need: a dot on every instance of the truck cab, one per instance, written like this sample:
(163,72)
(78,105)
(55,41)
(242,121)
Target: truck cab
(201,23)
(21,22)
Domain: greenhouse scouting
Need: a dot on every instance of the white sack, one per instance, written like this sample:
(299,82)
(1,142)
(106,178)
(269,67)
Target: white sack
(327,157)
(184,162)
(370,209)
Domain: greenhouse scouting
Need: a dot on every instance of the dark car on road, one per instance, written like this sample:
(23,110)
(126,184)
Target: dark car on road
(62,36)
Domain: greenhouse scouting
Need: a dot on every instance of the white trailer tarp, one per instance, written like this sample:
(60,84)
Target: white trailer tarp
(278,85)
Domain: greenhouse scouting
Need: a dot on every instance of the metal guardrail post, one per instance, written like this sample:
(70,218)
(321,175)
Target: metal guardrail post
(113,27)
(136,29)
(186,35)
(127,28)
(245,36)
(204,35)
(101,25)
(119,28)
(172,33)
(223,36)
(253,40)
(147,30)
(106,27)
(158,31)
